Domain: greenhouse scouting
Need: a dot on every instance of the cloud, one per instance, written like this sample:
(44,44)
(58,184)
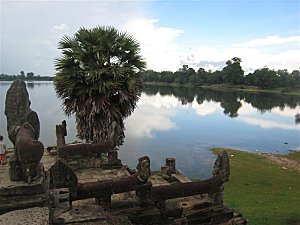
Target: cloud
(35,27)
(158,44)
(62,28)
(269,40)
(251,58)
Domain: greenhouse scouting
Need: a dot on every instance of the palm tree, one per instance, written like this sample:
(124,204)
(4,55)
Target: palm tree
(98,79)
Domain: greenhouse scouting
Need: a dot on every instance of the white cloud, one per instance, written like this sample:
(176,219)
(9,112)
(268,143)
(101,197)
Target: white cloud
(251,57)
(269,40)
(37,26)
(62,28)
(158,45)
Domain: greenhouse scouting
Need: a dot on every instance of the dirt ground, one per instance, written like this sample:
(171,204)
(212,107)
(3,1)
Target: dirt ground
(282,161)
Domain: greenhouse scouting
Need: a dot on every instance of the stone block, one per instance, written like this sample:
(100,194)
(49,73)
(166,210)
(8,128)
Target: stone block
(9,187)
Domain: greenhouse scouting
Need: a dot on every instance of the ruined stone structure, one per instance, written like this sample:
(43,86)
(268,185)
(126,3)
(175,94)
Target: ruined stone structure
(23,130)
(150,197)
(87,183)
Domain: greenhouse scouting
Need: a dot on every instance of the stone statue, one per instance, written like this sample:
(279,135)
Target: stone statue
(143,169)
(23,129)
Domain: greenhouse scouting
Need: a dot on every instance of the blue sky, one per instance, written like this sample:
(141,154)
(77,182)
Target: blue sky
(171,33)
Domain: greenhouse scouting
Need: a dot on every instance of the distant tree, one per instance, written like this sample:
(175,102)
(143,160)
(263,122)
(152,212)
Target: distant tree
(180,75)
(167,77)
(233,72)
(203,75)
(215,78)
(22,75)
(30,75)
(296,78)
(98,79)
(265,78)
(295,73)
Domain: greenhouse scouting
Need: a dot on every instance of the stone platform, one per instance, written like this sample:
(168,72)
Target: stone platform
(196,209)
(20,195)
(8,187)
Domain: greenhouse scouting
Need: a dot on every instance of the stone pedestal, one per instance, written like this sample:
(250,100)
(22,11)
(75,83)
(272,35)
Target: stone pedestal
(19,194)
(9,187)
(15,169)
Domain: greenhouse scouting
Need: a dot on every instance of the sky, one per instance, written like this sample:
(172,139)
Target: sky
(172,33)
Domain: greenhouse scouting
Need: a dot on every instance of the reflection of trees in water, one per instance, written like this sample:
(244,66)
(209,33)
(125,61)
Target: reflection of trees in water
(266,101)
(32,84)
(297,118)
(230,101)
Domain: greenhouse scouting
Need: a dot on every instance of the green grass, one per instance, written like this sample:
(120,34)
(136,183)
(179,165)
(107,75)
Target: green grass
(264,192)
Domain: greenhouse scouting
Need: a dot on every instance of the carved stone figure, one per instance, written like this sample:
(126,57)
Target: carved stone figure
(23,128)
(29,152)
(143,168)
(61,132)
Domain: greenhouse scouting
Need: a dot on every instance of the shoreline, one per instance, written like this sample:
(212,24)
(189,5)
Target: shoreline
(227,87)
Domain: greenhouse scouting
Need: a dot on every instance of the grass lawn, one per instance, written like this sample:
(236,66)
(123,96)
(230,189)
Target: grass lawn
(262,191)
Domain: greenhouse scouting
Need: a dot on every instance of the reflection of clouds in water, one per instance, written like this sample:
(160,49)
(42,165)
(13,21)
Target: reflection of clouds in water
(49,109)
(171,102)
(147,119)
(206,108)
(287,112)
(268,124)
(158,101)
(246,109)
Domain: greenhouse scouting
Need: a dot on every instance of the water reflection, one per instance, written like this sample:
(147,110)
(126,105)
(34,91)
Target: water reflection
(297,118)
(230,101)
(184,123)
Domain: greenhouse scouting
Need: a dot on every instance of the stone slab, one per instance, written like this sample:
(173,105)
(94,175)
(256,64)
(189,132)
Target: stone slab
(30,216)
(8,187)
(10,203)
(81,214)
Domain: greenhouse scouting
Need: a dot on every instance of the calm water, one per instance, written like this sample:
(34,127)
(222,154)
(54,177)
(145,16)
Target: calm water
(183,123)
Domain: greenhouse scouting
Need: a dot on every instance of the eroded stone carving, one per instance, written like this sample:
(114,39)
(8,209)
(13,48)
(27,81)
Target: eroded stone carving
(23,128)
(143,169)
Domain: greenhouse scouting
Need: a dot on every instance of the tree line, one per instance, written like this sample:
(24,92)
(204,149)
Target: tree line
(23,76)
(232,73)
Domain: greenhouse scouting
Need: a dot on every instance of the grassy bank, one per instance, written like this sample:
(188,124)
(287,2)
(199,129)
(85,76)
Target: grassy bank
(264,192)
(280,90)
(245,88)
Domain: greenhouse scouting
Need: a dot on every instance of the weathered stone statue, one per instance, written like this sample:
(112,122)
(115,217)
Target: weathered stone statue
(143,169)
(23,129)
